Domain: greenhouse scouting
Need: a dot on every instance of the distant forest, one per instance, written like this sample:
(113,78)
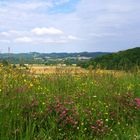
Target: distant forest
(123,60)
(49,58)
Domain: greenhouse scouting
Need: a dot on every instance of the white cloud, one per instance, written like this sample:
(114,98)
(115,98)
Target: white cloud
(23,40)
(32,5)
(4,34)
(60,2)
(37,36)
(91,22)
(13,33)
(50,41)
(71,37)
(27,5)
(4,41)
(47,31)
(100,35)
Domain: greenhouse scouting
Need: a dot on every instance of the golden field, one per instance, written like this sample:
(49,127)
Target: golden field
(41,69)
(36,69)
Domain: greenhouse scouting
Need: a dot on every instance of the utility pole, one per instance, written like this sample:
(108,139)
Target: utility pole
(9,54)
(0,56)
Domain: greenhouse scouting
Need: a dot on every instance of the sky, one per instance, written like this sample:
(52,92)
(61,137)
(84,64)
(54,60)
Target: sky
(69,25)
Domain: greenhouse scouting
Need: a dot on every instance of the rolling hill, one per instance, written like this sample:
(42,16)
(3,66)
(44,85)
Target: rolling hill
(122,60)
(49,58)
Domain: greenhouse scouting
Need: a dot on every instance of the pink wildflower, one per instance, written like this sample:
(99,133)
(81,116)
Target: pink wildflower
(137,101)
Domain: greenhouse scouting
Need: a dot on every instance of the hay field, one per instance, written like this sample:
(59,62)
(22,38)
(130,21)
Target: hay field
(40,69)
(36,69)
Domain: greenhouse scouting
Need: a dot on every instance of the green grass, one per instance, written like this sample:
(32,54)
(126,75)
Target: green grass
(96,105)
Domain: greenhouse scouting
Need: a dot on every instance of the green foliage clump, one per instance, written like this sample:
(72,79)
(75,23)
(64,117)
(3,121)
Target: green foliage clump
(123,60)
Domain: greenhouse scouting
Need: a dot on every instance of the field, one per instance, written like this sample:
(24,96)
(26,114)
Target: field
(36,69)
(69,104)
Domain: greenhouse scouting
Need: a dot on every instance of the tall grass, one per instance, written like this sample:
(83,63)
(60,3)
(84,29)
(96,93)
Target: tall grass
(95,105)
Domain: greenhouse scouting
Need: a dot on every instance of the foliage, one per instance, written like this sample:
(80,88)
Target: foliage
(123,60)
(96,105)
(4,62)
(47,58)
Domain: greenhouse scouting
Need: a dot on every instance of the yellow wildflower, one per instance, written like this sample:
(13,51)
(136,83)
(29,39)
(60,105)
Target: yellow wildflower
(31,85)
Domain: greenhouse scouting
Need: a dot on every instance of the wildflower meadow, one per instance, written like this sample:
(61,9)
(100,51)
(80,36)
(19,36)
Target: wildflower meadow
(69,106)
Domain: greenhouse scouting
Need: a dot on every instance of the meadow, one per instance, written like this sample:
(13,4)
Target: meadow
(69,105)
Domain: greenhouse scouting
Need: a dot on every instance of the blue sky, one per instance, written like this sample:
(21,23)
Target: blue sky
(69,25)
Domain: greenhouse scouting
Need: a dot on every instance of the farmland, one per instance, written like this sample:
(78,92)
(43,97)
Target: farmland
(38,69)
(68,103)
